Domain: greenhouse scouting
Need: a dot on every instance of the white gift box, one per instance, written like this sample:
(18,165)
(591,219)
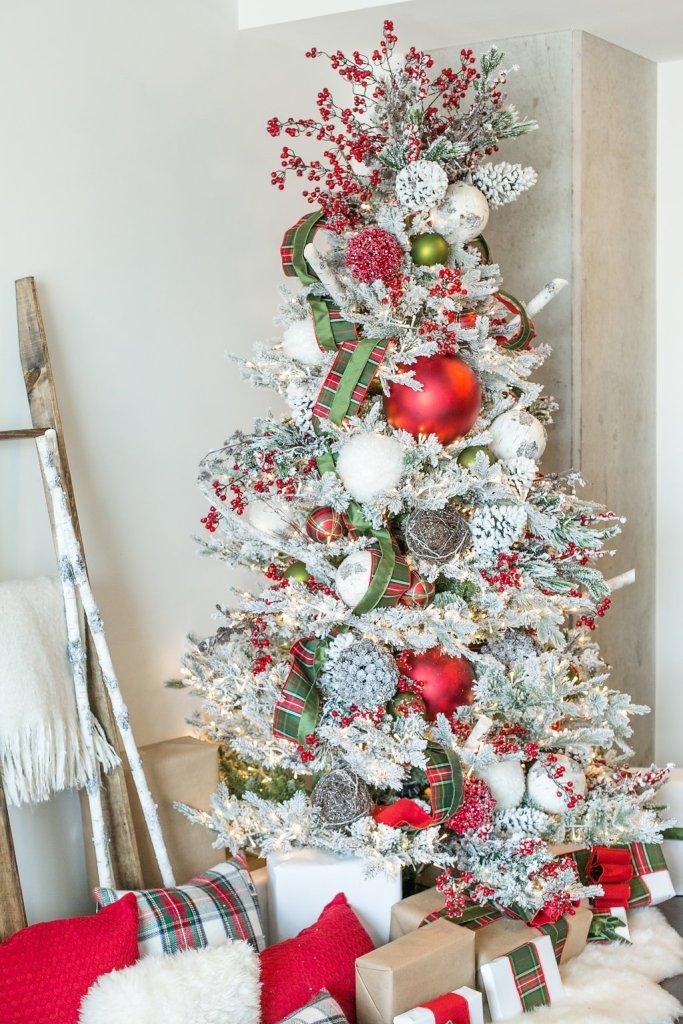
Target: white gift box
(659,885)
(471,1013)
(302,882)
(498,980)
(671,793)
(622,931)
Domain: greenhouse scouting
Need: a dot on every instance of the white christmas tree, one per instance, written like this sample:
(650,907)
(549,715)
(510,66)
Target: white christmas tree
(417,680)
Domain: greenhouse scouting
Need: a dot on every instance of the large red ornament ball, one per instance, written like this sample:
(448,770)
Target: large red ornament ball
(446,681)
(447,405)
(324,524)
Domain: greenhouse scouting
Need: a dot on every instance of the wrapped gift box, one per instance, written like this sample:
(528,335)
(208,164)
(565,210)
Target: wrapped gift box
(525,978)
(652,882)
(494,934)
(302,882)
(412,970)
(260,879)
(610,926)
(464,1006)
(671,794)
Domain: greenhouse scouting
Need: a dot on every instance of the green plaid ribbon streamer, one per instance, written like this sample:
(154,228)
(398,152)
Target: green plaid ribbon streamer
(647,857)
(298,706)
(604,929)
(529,977)
(473,918)
(350,376)
(558,932)
(330,328)
(444,774)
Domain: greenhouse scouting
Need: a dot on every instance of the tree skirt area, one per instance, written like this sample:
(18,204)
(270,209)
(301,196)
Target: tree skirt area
(618,984)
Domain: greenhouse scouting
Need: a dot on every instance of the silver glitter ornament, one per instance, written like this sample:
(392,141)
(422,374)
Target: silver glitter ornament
(363,674)
(437,536)
(341,797)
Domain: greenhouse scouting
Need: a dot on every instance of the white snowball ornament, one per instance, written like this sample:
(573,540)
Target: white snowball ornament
(463,214)
(268,516)
(551,795)
(516,434)
(506,781)
(370,465)
(299,342)
(353,577)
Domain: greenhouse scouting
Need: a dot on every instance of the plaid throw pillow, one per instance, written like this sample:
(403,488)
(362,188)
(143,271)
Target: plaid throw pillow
(212,909)
(321,1010)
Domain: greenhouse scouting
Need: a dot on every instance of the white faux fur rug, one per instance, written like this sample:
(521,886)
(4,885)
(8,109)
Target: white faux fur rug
(618,984)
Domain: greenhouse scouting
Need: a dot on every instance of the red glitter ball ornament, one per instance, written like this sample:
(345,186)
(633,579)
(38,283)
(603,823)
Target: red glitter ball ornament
(446,681)
(447,404)
(374,254)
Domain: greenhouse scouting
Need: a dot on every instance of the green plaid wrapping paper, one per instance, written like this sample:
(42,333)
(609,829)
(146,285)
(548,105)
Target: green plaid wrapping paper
(529,977)
(296,710)
(321,1010)
(350,376)
(212,909)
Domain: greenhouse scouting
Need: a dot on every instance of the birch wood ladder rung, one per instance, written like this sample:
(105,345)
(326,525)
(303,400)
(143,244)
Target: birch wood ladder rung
(42,398)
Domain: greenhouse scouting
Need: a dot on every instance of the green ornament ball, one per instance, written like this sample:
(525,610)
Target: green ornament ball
(468,456)
(297,571)
(428,249)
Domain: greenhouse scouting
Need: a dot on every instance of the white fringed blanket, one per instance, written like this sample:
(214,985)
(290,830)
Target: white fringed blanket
(41,749)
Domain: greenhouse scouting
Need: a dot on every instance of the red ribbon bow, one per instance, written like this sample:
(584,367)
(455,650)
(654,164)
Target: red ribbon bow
(613,870)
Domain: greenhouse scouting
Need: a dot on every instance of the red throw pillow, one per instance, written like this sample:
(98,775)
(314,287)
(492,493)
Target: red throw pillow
(46,969)
(321,956)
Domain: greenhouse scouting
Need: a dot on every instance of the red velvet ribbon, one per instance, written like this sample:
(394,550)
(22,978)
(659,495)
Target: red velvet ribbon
(613,870)
(402,812)
(449,1009)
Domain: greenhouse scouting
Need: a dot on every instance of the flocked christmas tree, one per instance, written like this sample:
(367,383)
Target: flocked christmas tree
(416,680)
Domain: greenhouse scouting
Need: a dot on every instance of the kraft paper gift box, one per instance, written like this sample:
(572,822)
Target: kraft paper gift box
(671,794)
(464,1006)
(525,978)
(500,934)
(412,970)
(610,926)
(302,882)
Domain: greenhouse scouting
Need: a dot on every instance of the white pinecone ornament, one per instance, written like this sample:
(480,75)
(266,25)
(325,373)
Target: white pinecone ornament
(495,528)
(503,183)
(421,185)
(359,673)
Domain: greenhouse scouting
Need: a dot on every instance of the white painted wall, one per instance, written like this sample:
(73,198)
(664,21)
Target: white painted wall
(669,703)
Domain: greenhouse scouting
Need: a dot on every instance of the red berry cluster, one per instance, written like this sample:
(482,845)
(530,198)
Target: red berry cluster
(259,641)
(307,753)
(277,576)
(504,740)
(320,588)
(375,716)
(211,520)
(555,771)
(454,889)
(587,621)
(508,576)
(374,254)
(476,810)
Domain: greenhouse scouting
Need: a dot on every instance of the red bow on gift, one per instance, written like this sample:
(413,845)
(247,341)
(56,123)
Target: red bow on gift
(613,870)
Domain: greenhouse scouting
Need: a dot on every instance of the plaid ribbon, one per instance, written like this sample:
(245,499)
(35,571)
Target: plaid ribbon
(604,929)
(297,707)
(473,918)
(444,774)
(350,376)
(558,932)
(529,977)
(647,858)
(526,331)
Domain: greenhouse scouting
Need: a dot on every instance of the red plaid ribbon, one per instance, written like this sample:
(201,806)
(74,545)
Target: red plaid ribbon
(444,774)
(449,1009)
(529,978)
(297,708)
(473,918)
(350,376)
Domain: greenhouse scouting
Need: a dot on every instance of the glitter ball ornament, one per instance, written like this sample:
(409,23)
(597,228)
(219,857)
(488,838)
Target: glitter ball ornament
(374,254)
(446,681)
(447,404)
(324,524)
(299,342)
(340,798)
(370,465)
(507,783)
(421,185)
(463,214)
(552,787)
(516,434)
(268,516)
(437,536)
(419,594)
(468,456)
(429,249)
(363,675)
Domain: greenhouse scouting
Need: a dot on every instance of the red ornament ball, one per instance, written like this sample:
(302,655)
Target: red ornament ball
(419,594)
(446,681)
(447,404)
(374,254)
(324,524)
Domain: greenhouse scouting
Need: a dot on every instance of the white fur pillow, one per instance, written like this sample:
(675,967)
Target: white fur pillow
(216,985)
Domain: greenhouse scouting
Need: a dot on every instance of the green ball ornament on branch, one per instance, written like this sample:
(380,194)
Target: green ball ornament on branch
(429,249)
(468,456)
(297,571)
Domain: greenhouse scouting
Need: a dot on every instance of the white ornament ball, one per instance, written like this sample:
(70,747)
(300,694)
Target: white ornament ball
(299,342)
(370,465)
(463,214)
(548,794)
(506,781)
(353,577)
(268,516)
(517,434)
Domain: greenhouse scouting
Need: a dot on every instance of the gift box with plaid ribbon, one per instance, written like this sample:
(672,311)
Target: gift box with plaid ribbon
(610,926)
(651,883)
(671,795)
(631,876)
(524,979)
(464,1006)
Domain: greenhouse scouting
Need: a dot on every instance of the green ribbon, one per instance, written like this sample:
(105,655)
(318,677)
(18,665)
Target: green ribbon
(311,712)
(350,378)
(604,929)
(673,833)
(383,573)
(298,238)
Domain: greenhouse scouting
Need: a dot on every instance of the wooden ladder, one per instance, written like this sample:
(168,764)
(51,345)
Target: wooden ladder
(42,398)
